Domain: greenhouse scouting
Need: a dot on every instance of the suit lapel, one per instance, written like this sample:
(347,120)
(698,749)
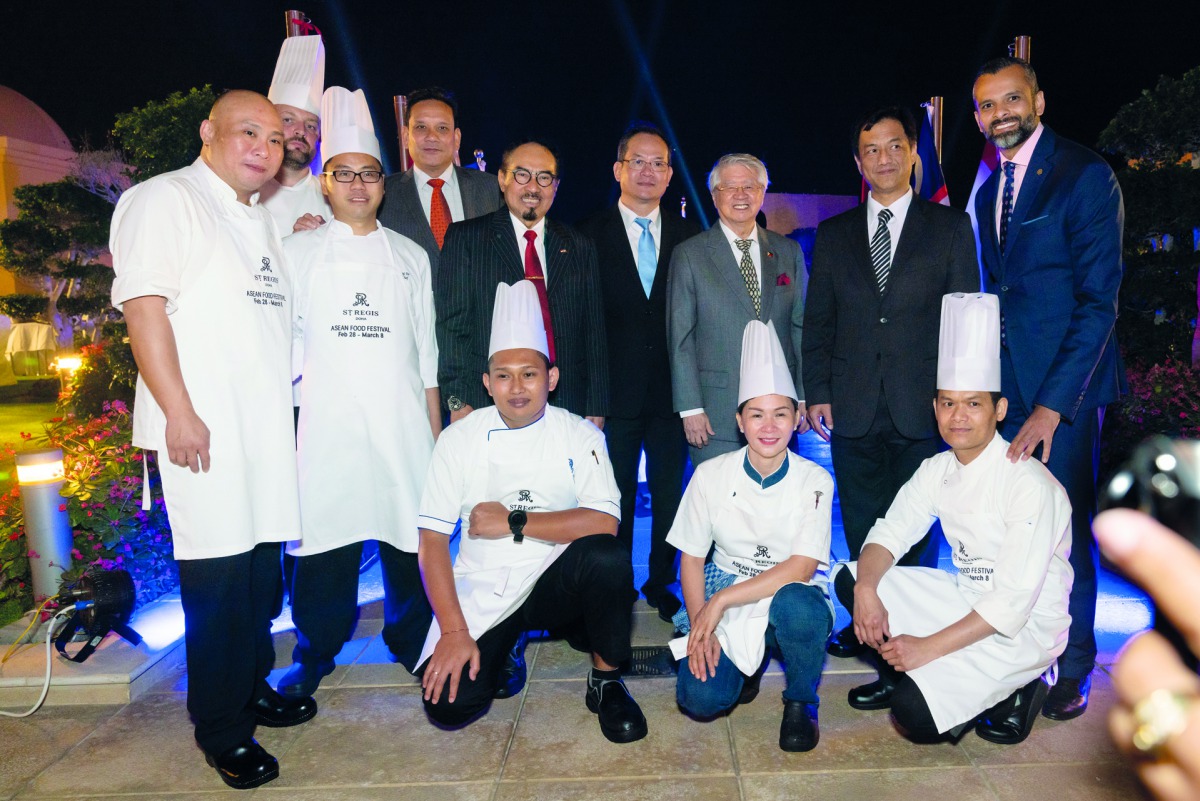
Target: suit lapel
(769,273)
(722,260)
(504,241)
(860,244)
(670,238)
(1040,164)
(410,201)
(911,235)
(558,255)
(473,199)
(625,266)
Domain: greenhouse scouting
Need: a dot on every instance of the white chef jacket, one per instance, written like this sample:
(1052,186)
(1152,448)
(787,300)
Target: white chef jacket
(363,335)
(556,463)
(1009,529)
(289,203)
(218,264)
(754,523)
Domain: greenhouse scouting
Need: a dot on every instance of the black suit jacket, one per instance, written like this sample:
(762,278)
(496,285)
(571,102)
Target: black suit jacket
(857,342)
(402,212)
(638,357)
(477,255)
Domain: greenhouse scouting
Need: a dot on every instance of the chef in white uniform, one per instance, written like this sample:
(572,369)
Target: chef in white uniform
(765,514)
(534,491)
(969,649)
(366,348)
(296,87)
(200,278)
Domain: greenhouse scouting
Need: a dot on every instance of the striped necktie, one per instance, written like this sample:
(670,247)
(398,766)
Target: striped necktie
(881,250)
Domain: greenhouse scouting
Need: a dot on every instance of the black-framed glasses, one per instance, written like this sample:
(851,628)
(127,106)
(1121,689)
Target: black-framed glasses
(348,176)
(524,176)
(658,165)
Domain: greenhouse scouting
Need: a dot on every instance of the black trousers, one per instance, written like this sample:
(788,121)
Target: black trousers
(1074,455)
(870,470)
(325,603)
(666,454)
(586,596)
(910,710)
(227,606)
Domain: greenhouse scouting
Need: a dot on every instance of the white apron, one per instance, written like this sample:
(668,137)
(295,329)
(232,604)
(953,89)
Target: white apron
(525,470)
(743,629)
(364,436)
(233,333)
(958,686)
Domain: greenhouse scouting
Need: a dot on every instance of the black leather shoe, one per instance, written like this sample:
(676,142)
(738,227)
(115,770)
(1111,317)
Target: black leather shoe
(245,765)
(751,684)
(799,730)
(844,644)
(1068,699)
(621,719)
(276,712)
(876,695)
(303,678)
(1010,721)
(513,674)
(666,603)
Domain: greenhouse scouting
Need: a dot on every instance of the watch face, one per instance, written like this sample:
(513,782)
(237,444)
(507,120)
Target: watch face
(454,404)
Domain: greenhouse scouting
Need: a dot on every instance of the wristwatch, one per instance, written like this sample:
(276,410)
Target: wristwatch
(516,524)
(453,403)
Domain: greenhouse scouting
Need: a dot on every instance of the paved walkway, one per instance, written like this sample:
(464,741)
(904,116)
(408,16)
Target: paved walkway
(371,740)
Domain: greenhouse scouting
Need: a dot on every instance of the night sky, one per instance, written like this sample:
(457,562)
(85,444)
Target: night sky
(782,80)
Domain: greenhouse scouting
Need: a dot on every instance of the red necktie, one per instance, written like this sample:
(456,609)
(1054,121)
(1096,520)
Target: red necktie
(533,272)
(439,212)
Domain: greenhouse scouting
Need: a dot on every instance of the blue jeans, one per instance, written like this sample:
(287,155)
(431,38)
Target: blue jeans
(798,625)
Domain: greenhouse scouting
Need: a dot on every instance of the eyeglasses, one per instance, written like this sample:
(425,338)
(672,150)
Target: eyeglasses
(348,176)
(523,176)
(737,190)
(658,165)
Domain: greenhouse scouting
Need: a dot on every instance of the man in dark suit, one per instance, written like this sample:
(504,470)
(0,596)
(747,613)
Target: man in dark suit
(871,331)
(720,280)
(422,201)
(512,244)
(1050,225)
(633,238)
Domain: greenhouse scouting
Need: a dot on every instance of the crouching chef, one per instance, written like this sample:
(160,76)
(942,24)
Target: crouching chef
(972,649)
(200,279)
(767,512)
(365,346)
(534,491)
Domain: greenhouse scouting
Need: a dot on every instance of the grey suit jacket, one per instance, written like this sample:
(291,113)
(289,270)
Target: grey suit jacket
(401,210)
(708,307)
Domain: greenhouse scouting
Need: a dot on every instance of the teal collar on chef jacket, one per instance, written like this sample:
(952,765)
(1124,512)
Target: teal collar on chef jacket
(770,480)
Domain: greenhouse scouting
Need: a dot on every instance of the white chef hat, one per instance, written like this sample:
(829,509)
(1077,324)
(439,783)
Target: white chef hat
(764,368)
(517,320)
(969,343)
(346,125)
(299,74)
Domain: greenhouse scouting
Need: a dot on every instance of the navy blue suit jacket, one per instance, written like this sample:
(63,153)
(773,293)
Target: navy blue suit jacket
(1058,278)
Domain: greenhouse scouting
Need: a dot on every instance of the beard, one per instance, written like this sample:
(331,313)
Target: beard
(529,214)
(1019,135)
(297,159)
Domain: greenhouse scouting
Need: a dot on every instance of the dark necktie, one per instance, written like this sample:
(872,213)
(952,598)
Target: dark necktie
(533,272)
(1006,203)
(439,212)
(881,250)
(749,275)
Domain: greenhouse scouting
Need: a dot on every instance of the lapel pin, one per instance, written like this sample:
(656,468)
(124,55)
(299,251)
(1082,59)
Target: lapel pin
(770,255)
(564,250)
(1039,172)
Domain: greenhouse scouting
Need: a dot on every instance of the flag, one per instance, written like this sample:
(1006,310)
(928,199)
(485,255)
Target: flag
(927,177)
(989,162)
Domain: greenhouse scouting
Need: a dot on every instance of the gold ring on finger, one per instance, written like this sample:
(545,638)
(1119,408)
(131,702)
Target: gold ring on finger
(1160,716)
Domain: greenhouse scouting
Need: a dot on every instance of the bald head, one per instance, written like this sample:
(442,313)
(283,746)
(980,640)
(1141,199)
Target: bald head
(243,141)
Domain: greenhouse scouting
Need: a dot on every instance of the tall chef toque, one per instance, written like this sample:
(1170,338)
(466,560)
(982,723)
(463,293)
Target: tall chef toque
(969,343)
(299,74)
(764,368)
(517,320)
(346,125)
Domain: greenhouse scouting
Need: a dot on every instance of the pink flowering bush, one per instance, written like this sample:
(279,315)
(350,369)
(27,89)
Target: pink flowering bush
(1163,399)
(102,493)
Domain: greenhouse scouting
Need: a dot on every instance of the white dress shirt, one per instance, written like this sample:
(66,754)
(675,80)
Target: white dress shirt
(450,191)
(539,244)
(899,210)
(634,231)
